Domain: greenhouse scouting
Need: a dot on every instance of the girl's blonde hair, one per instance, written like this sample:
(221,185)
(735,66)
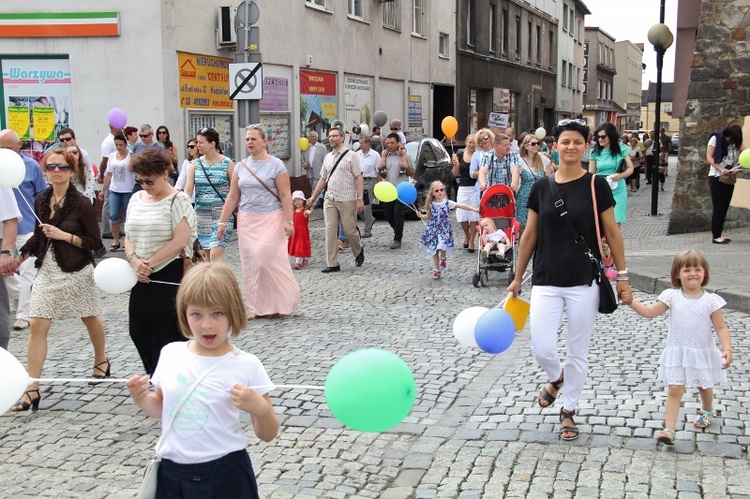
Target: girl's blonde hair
(688,258)
(211,285)
(538,164)
(431,196)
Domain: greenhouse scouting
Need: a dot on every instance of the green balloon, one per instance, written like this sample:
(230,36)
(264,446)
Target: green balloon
(385,191)
(370,390)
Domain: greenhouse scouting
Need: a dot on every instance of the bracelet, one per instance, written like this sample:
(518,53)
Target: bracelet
(129,256)
(221,223)
(622,278)
(623,272)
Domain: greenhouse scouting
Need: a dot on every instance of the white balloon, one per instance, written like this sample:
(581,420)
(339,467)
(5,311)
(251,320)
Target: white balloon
(540,133)
(114,275)
(464,323)
(15,378)
(364,130)
(12,168)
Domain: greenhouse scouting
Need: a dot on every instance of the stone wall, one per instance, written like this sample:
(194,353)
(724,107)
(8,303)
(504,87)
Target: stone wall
(717,97)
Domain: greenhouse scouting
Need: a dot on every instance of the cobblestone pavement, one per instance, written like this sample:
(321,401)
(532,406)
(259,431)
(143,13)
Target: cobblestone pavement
(475,430)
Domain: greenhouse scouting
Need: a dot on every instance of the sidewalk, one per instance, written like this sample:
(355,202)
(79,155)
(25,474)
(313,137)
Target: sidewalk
(649,251)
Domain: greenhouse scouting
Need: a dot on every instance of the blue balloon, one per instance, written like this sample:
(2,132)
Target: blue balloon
(407,193)
(495,331)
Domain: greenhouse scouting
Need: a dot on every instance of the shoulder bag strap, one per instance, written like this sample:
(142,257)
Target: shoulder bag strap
(560,206)
(192,388)
(596,217)
(260,181)
(205,174)
(335,165)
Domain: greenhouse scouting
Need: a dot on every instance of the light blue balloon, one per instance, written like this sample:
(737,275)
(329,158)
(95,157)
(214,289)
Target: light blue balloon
(407,193)
(495,331)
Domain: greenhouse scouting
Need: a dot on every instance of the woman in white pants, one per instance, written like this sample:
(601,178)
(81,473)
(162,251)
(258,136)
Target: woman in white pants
(564,277)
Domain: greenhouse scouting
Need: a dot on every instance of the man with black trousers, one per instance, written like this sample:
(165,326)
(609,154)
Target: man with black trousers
(395,167)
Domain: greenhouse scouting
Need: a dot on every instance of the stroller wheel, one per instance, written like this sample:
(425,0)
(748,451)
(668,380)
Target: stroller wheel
(475,280)
(483,279)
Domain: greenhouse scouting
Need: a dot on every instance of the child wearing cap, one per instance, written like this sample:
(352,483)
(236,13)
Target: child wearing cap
(299,243)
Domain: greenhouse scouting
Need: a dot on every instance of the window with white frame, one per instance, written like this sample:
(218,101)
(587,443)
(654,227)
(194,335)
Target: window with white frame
(318,3)
(570,74)
(392,14)
(443,41)
(418,17)
(470,30)
(504,29)
(571,20)
(493,26)
(564,78)
(357,8)
(565,17)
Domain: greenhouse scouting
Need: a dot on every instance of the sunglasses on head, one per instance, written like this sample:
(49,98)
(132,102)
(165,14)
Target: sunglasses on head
(143,136)
(66,139)
(57,166)
(141,181)
(572,121)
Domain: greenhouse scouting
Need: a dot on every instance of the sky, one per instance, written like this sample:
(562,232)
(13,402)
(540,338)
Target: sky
(631,20)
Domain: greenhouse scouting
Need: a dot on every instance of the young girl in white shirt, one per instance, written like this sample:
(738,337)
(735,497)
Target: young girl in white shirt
(204,453)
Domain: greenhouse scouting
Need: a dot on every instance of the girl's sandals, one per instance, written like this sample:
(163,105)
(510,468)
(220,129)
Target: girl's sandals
(704,420)
(546,396)
(571,430)
(114,247)
(666,436)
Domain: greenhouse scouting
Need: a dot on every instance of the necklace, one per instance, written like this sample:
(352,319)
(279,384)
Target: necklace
(56,202)
(703,292)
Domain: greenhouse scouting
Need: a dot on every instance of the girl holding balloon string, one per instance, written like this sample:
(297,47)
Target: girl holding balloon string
(437,238)
(206,454)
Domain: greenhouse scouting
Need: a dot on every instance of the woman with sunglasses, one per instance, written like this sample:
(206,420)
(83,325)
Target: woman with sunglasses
(64,286)
(467,192)
(533,166)
(160,226)
(162,135)
(209,176)
(118,181)
(605,160)
(192,155)
(84,178)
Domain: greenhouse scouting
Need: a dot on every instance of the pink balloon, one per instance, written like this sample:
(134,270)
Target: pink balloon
(117,118)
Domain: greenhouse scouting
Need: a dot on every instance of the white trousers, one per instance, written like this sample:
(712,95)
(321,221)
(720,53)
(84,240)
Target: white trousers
(547,305)
(19,285)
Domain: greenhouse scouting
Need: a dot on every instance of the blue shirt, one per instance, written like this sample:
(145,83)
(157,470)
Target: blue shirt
(33,184)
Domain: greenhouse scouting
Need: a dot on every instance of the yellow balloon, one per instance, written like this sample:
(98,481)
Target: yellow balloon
(385,191)
(449,126)
(304,144)
(744,158)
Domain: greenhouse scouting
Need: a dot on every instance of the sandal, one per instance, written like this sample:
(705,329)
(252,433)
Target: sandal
(571,428)
(33,403)
(546,395)
(114,247)
(105,373)
(666,436)
(704,420)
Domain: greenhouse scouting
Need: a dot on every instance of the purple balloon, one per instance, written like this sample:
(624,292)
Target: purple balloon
(495,331)
(117,118)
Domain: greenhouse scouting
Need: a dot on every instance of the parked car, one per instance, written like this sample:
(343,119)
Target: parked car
(675,143)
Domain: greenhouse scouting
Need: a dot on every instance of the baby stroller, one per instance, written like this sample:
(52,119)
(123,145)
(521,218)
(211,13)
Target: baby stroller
(498,203)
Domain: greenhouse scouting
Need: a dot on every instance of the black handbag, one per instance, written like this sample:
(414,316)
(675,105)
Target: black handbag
(607,299)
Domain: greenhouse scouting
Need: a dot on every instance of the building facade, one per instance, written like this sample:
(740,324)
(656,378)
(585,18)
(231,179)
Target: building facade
(598,98)
(571,60)
(628,83)
(506,64)
(671,124)
(167,63)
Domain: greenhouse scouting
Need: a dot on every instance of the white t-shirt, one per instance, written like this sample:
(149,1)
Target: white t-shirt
(8,207)
(122,179)
(208,425)
(182,179)
(108,147)
(729,161)
(369,163)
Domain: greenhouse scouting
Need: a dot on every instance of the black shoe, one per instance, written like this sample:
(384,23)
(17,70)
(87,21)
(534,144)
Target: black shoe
(328,270)
(360,258)
(723,241)
(104,373)
(33,403)
(100,253)
(107,235)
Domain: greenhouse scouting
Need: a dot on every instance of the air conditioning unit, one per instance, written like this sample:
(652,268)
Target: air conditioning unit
(226,36)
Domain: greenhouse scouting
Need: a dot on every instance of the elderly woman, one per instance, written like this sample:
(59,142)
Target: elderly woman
(260,187)
(534,165)
(209,177)
(605,160)
(467,191)
(160,226)
(564,278)
(64,286)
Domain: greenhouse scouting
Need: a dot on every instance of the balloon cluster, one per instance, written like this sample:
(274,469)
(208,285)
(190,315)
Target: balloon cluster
(493,330)
(386,192)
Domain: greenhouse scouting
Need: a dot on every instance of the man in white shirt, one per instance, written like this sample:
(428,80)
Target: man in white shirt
(107,148)
(369,160)
(514,147)
(10,216)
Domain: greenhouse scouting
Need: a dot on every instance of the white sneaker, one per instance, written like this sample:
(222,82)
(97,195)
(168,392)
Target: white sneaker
(20,324)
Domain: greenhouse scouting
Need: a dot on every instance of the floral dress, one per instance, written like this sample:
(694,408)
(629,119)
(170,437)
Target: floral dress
(438,235)
(528,177)
(209,203)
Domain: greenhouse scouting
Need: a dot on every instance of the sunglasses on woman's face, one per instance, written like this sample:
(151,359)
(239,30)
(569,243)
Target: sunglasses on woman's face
(141,181)
(533,144)
(57,166)
(601,137)
(191,146)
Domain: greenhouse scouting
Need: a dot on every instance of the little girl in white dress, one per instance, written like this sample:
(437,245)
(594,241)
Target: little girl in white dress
(690,357)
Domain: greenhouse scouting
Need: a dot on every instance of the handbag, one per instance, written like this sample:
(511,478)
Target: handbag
(151,474)
(198,254)
(607,299)
(728,178)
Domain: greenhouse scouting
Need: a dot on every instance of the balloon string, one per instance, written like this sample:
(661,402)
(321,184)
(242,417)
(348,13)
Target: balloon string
(124,380)
(502,303)
(415,211)
(165,282)
(27,204)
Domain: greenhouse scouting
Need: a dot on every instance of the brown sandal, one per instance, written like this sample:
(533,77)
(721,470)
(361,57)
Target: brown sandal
(547,396)
(571,428)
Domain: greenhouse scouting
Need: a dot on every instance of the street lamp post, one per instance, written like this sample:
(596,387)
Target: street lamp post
(661,38)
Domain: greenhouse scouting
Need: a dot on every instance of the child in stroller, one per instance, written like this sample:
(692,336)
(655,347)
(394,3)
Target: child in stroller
(493,241)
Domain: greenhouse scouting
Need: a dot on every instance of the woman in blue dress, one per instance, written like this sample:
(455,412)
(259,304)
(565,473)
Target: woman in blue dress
(210,176)
(605,160)
(533,167)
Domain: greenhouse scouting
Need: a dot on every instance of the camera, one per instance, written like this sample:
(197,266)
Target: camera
(356,129)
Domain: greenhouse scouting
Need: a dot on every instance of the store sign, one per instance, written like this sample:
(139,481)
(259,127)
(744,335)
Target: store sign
(204,81)
(275,94)
(317,100)
(59,24)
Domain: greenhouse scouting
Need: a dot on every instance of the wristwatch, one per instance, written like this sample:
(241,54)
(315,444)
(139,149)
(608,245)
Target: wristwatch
(359,198)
